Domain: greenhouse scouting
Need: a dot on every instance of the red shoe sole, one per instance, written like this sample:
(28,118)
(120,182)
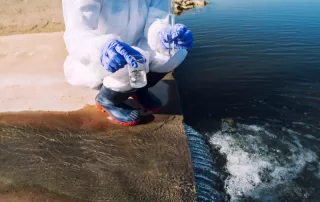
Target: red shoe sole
(115,120)
(153,110)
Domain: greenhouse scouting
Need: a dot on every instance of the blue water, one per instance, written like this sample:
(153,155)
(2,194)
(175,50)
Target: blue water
(257,62)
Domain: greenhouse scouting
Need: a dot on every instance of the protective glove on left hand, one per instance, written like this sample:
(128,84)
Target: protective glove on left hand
(180,35)
(116,54)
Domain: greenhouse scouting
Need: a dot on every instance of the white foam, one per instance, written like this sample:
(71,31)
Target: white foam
(309,136)
(250,161)
(292,132)
(318,173)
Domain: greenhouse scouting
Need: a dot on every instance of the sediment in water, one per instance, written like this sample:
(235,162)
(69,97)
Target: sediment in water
(82,156)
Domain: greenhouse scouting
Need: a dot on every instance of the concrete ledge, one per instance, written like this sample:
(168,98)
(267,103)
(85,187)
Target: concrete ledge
(56,146)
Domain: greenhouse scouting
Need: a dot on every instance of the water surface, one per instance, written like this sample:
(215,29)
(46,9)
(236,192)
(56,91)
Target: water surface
(257,62)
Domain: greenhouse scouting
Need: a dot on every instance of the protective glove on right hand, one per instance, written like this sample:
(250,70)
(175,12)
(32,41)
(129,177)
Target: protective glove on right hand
(116,54)
(180,35)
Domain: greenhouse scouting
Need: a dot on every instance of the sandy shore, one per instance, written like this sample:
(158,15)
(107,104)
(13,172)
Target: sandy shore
(32,75)
(30,16)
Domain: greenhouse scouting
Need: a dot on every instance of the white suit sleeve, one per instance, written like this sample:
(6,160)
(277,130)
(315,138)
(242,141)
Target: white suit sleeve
(82,41)
(156,20)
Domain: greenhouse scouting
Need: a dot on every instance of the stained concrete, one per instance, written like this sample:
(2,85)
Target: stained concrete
(56,146)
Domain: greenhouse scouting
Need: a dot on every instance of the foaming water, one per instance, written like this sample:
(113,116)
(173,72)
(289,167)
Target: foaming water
(263,167)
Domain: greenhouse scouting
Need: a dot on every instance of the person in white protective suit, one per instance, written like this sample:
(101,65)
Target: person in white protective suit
(103,36)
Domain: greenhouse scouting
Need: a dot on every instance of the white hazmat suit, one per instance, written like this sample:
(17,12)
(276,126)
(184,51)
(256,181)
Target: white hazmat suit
(90,24)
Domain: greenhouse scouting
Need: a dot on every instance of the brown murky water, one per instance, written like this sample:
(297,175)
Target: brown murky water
(81,155)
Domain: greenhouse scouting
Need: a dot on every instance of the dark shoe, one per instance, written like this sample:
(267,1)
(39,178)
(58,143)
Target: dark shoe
(148,100)
(112,102)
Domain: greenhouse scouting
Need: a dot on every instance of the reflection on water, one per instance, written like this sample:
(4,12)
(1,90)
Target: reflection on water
(258,62)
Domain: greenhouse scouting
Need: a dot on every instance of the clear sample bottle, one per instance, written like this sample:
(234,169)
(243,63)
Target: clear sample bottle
(138,76)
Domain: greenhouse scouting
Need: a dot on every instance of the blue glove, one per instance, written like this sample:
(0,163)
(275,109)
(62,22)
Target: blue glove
(115,55)
(180,35)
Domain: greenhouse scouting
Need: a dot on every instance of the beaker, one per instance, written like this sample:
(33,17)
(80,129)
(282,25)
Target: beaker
(138,76)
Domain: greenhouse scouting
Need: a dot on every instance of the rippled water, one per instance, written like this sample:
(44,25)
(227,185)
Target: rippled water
(258,63)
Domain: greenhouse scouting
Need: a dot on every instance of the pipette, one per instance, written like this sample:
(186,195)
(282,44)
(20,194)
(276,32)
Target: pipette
(171,22)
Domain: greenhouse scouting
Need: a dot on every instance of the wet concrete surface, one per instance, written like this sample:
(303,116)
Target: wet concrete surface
(82,156)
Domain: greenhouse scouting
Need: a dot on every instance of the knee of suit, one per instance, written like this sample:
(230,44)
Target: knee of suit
(152,79)
(163,64)
(118,81)
(122,88)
